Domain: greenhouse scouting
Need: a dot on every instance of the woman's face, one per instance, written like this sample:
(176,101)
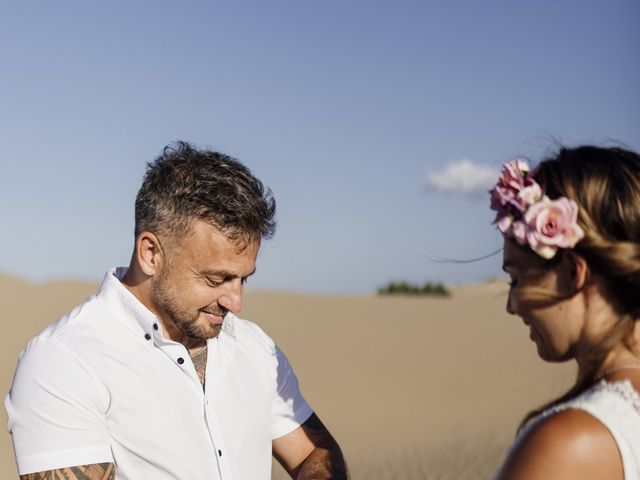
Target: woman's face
(538,294)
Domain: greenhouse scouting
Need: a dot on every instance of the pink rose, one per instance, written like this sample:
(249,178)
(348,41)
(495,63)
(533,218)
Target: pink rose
(510,183)
(527,196)
(513,174)
(552,224)
(501,197)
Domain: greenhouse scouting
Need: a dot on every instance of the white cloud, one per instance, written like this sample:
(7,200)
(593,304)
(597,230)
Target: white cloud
(462,177)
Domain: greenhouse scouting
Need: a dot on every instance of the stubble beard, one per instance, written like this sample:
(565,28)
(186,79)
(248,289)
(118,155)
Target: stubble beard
(187,321)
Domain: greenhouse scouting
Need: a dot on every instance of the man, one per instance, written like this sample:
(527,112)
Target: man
(155,377)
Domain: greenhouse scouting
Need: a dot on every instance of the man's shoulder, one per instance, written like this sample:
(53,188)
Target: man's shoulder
(72,329)
(56,367)
(73,321)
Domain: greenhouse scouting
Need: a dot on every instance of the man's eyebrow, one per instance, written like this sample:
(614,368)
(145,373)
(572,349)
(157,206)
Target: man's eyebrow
(225,273)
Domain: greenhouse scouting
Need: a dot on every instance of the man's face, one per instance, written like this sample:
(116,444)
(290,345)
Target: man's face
(201,279)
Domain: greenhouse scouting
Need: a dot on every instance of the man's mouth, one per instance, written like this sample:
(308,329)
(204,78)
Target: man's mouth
(215,317)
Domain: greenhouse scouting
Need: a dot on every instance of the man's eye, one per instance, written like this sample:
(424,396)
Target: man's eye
(513,282)
(214,283)
(244,280)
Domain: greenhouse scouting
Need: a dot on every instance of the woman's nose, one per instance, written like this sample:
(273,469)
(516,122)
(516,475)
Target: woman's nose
(510,309)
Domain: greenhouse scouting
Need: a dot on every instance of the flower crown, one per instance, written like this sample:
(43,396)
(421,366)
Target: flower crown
(529,216)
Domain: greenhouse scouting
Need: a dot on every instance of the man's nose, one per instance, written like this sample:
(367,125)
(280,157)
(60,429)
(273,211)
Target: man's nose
(231,298)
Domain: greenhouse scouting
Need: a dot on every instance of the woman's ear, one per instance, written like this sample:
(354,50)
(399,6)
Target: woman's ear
(576,271)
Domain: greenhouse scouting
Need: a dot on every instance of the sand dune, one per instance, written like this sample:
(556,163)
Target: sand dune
(413,388)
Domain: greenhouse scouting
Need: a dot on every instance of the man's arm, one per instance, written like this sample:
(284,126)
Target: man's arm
(97,471)
(310,452)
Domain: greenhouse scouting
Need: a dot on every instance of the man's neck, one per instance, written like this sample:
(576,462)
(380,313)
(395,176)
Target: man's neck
(139,286)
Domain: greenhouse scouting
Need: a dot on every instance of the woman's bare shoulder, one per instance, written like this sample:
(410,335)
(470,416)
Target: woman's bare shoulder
(571,444)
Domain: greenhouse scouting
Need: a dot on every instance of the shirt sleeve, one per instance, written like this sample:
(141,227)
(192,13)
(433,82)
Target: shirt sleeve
(289,409)
(56,409)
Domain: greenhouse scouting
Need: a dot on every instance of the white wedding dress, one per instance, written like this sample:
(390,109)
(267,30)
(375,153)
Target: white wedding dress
(617,406)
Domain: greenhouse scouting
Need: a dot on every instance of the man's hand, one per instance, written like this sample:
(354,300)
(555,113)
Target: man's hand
(310,452)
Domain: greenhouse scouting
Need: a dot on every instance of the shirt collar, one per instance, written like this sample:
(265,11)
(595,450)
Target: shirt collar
(128,308)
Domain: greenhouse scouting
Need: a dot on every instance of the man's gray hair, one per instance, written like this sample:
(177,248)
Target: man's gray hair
(185,184)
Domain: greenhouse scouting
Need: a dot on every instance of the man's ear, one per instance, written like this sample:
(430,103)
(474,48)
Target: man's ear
(576,271)
(149,254)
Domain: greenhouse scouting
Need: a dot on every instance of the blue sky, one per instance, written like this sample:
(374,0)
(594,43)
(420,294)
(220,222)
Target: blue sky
(345,109)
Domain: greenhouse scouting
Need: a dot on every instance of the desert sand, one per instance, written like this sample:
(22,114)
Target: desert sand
(413,388)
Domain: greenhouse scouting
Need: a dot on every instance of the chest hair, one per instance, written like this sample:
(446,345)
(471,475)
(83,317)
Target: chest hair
(199,360)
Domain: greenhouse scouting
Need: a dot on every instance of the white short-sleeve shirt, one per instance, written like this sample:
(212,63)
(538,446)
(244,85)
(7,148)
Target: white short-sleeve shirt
(103,385)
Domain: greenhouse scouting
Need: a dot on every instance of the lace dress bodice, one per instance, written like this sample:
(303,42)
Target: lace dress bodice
(617,406)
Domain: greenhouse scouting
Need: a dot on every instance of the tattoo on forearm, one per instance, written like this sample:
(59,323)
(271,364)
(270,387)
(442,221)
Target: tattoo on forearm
(326,461)
(321,466)
(97,471)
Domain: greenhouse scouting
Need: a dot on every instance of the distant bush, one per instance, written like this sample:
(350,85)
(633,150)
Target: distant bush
(406,288)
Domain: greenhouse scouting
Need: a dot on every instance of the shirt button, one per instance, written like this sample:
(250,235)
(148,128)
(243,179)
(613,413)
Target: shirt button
(219,453)
(155,326)
(147,336)
(180,360)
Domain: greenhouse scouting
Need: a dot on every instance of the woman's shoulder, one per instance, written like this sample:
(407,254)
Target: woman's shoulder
(569,444)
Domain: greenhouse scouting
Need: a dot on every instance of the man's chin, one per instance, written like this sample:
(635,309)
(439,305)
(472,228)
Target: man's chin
(201,332)
(215,331)
(212,331)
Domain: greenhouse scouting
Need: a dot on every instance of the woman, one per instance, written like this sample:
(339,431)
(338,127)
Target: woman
(572,252)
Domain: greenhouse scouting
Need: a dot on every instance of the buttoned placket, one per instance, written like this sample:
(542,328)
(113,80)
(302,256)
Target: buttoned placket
(181,358)
(215,360)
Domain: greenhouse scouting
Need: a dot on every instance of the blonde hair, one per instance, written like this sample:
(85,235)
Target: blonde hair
(605,183)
